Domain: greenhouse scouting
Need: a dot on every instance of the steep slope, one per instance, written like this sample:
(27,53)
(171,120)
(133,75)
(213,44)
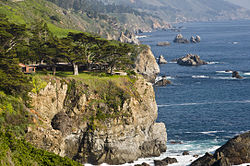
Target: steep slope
(188,10)
(68,17)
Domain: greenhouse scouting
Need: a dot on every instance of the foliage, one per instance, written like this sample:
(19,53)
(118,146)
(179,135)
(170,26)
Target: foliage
(13,116)
(38,84)
(18,152)
(12,80)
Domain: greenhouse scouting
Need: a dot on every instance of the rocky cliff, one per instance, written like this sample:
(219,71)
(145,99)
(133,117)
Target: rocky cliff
(146,64)
(108,120)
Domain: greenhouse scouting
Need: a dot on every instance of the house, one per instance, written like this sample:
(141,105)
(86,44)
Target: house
(27,69)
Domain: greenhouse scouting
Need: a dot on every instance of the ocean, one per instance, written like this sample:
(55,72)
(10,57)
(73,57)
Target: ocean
(204,107)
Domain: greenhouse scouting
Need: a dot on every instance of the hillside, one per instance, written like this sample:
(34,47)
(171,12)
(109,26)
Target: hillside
(107,21)
(187,10)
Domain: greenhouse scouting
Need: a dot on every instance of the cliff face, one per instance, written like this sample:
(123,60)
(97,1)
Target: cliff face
(146,65)
(85,124)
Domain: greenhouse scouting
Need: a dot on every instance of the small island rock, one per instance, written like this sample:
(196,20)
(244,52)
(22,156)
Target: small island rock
(163,43)
(236,74)
(163,82)
(162,60)
(180,39)
(191,60)
(185,153)
(196,39)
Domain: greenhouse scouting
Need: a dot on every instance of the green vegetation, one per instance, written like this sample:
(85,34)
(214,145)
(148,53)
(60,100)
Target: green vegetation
(18,152)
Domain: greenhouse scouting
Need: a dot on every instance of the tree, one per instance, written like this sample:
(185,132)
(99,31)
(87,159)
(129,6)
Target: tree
(117,55)
(12,80)
(79,48)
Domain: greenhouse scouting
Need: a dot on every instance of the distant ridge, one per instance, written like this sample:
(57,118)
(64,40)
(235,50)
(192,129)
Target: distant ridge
(188,10)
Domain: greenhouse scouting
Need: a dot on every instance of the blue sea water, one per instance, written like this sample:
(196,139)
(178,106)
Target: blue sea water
(204,107)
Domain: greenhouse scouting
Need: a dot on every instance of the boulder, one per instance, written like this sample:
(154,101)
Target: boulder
(143,164)
(165,161)
(180,39)
(160,163)
(198,39)
(169,160)
(192,39)
(185,153)
(235,152)
(162,60)
(190,60)
(236,74)
(163,43)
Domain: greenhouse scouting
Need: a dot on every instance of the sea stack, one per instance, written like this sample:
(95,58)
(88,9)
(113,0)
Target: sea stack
(190,60)
(180,39)
(162,60)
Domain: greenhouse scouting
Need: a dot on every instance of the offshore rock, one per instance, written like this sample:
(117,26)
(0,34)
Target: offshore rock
(162,60)
(163,43)
(146,65)
(191,60)
(67,129)
(180,39)
(235,152)
(236,74)
(163,82)
(196,39)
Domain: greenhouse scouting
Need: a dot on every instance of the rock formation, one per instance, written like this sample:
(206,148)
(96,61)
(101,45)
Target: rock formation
(75,121)
(235,152)
(191,60)
(165,161)
(180,39)
(163,43)
(146,65)
(162,60)
(128,37)
(236,74)
(162,82)
(196,39)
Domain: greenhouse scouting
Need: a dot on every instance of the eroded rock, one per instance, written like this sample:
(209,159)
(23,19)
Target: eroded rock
(191,60)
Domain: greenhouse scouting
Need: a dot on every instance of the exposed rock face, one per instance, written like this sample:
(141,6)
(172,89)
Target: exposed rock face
(69,128)
(236,151)
(146,65)
(162,60)
(180,39)
(163,43)
(236,74)
(128,37)
(191,60)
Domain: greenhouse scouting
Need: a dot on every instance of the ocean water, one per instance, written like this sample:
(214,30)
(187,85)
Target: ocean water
(205,106)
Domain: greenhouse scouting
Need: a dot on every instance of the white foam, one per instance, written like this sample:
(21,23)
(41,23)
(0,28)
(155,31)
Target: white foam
(200,76)
(235,42)
(225,78)
(212,63)
(142,36)
(172,62)
(158,78)
(205,103)
(248,74)
(224,71)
